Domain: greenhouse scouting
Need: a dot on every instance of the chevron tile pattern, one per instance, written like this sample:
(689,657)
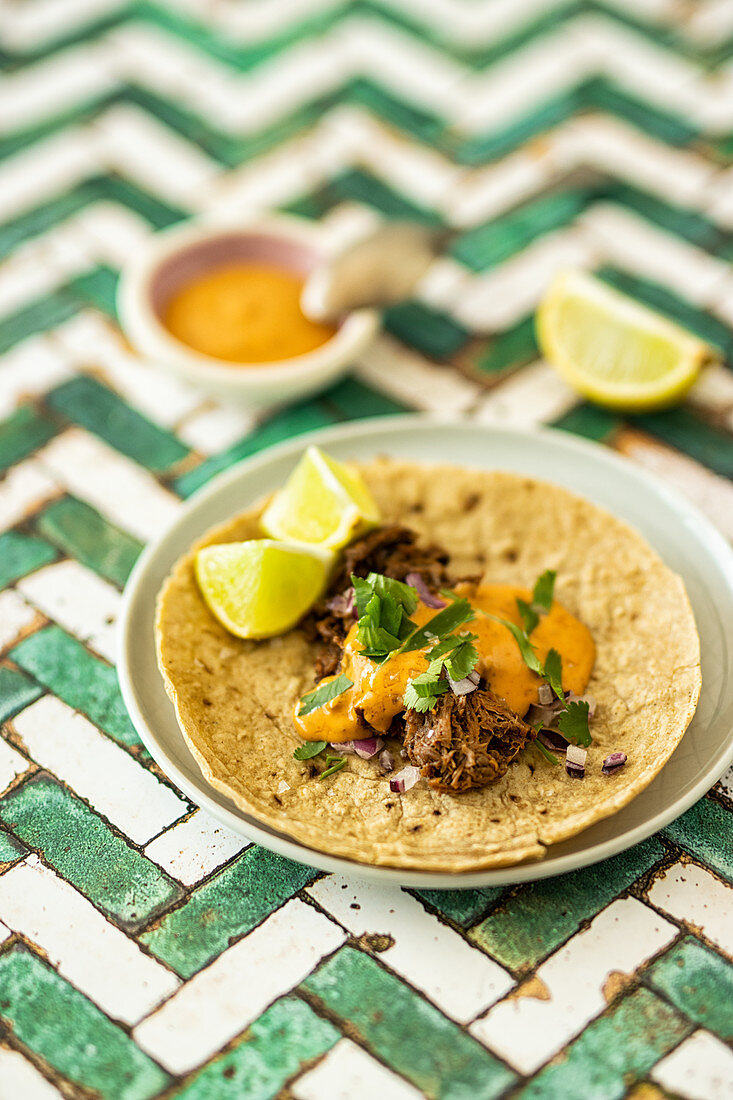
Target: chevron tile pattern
(144,951)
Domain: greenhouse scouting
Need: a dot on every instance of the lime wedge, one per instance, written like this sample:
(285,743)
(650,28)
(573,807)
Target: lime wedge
(614,350)
(260,588)
(323,502)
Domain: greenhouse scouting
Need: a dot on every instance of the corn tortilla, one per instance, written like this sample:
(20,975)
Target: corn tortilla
(234,698)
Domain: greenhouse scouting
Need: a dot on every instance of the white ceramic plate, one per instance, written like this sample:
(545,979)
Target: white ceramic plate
(681,535)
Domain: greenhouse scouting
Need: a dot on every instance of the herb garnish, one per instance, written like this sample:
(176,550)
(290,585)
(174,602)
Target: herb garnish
(457,655)
(422,691)
(573,722)
(545,752)
(442,624)
(324,693)
(309,749)
(383,607)
(553,673)
(335,763)
(541,601)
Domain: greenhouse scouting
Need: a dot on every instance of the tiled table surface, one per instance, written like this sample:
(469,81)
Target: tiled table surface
(143,950)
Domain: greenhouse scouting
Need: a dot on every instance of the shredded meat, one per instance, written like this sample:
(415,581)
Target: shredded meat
(391,551)
(464,742)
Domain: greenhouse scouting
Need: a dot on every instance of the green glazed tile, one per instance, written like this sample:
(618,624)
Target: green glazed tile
(99,287)
(42,218)
(603,95)
(406,1032)
(22,433)
(678,219)
(699,983)
(22,554)
(529,925)
(284,425)
(487,147)
(707,832)
(462,906)
(683,429)
(661,299)
(353,400)
(424,328)
(85,682)
(271,1051)
(228,905)
(98,409)
(11,850)
(360,186)
(115,189)
(400,113)
(512,348)
(61,1025)
(589,421)
(85,535)
(482,248)
(39,316)
(84,850)
(613,1052)
(16,692)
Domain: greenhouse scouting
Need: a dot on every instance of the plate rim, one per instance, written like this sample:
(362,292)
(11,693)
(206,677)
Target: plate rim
(237,821)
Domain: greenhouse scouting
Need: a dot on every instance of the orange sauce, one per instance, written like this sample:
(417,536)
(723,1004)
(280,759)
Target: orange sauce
(378,689)
(244,313)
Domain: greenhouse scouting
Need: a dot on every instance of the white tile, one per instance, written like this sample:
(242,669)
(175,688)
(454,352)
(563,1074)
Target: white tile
(15,617)
(465,982)
(28,26)
(216,427)
(30,369)
(78,600)
(23,490)
(488,192)
(64,79)
(19,1079)
(115,232)
(536,394)
(620,938)
(12,764)
(407,376)
(701,1068)
(698,898)
(110,482)
(193,849)
(66,743)
(225,997)
(87,949)
(46,168)
(349,1073)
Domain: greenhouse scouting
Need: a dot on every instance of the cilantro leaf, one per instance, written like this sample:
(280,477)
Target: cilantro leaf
(309,749)
(324,693)
(573,722)
(403,594)
(382,606)
(461,661)
(553,673)
(545,752)
(445,622)
(543,591)
(529,616)
(335,764)
(448,644)
(363,593)
(526,648)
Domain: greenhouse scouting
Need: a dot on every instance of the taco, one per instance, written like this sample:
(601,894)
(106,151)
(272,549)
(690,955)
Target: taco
(487,795)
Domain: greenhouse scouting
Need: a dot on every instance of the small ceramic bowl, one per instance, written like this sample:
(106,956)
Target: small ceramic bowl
(176,256)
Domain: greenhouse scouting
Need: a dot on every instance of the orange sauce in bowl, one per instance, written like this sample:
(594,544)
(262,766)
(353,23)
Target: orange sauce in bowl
(244,313)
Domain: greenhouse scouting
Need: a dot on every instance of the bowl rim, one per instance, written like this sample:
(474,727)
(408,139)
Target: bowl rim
(150,337)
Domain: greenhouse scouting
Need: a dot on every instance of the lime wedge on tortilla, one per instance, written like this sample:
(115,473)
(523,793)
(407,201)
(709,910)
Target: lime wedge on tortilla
(260,588)
(613,349)
(323,502)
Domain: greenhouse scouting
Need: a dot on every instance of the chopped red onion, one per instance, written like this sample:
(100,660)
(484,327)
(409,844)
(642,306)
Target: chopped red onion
(545,715)
(343,604)
(282,787)
(553,739)
(404,779)
(544,695)
(613,762)
(575,761)
(365,748)
(427,597)
(386,760)
(466,685)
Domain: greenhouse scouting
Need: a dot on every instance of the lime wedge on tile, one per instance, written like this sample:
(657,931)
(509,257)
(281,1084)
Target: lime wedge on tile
(260,588)
(613,349)
(323,502)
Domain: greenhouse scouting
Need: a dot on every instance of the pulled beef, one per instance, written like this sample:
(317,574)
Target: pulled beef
(465,742)
(392,551)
